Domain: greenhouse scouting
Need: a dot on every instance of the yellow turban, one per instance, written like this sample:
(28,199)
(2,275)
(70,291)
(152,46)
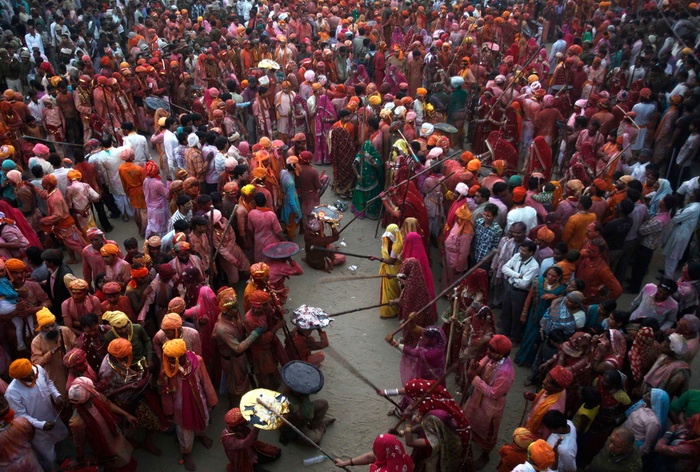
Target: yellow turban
(174,348)
(109,250)
(247,189)
(21,368)
(116,319)
(375,100)
(44,317)
(74,175)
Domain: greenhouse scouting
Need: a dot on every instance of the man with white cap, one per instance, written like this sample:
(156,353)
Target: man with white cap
(670,372)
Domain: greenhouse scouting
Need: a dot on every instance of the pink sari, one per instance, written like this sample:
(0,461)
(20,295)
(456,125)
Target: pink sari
(413,247)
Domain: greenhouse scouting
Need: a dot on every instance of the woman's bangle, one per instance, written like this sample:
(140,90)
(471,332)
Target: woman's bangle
(351,462)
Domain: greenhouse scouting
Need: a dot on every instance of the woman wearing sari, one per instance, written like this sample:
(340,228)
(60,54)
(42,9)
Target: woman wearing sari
(663,189)
(539,158)
(370,182)
(647,418)
(610,351)
(392,245)
(324,119)
(342,152)
(388,455)
(643,353)
(424,361)
(406,202)
(414,296)
(459,232)
(204,310)
(359,76)
(582,165)
(548,287)
(300,115)
(413,247)
(575,356)
(394,78)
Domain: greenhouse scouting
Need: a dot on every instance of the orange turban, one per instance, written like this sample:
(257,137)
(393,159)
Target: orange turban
(522,437)
(541,454)
(259,173)
(21,368)
(545,234)
(174,348)
(466,156)
(176,305)
(120,348)
(49,181)
(78,284)
(171,321)
(109,250)
(474,165)
(421,91)
(15,265)
(74,174)
(499,166)
(259,270)
(259,298)
(139,273)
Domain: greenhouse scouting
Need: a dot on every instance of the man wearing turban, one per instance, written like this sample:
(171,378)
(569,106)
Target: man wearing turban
(80,196)
(259,280)
(115,301)
(267,352)
(540,457)
(233,343)
(128,385)
(59,221)
(18,432)
(93,422)
(184,259)
(241,445)
(32,395)
(171,328)
(116,268)
(187,395)
(492,379)
(551,397)
(78,305)
(123,328)
(515,453)
(32,297)
(76,363)
(49,347)
(93,263)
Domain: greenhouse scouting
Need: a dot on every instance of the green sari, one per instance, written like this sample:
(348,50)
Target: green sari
(370,182)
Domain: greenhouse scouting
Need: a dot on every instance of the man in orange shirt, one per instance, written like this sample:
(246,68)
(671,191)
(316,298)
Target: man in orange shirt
(132,178)
(575,228)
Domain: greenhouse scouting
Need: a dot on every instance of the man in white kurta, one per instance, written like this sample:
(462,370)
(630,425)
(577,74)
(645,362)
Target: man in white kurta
(35,404)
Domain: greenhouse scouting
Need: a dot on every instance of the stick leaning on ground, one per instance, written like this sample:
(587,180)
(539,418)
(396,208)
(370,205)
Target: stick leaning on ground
(296,430)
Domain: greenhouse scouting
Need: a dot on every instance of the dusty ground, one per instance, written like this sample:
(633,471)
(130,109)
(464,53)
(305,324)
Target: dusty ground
(359,337)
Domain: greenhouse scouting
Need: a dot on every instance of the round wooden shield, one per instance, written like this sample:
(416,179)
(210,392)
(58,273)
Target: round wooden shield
(154,103)
(327,213)
(264,408)
(281,250)
(302,377)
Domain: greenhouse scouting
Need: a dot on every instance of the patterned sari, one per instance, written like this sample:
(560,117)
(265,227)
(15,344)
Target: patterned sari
(369,182)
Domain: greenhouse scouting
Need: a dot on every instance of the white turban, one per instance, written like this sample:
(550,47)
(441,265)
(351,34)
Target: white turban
(679,345)
(309,75)
(457,81)
(462,189)
(193,140)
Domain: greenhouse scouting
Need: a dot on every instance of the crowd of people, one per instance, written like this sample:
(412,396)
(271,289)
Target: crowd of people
(544,152)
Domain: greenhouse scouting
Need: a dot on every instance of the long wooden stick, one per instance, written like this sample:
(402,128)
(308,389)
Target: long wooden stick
(53,142)
(345,278)
(451,339)
(333,251)
(627,116)
(353,370)
(228,224)
(296,430)
(444,292)
(360,309)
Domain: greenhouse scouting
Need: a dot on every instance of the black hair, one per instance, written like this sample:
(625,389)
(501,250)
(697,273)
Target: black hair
(491,208)
(529,245)
(183,199)
(260,199)
(34,255)
(131,242)
(88,319)
(180,226)
(554,419)
(585,202)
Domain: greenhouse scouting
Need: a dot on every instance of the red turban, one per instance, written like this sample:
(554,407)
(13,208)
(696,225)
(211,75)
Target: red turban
(501,344)
(305,157)
(519,194)
(49,181)
(74,357)
(234,417)
(259,298)
(150,169)
(561,376)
